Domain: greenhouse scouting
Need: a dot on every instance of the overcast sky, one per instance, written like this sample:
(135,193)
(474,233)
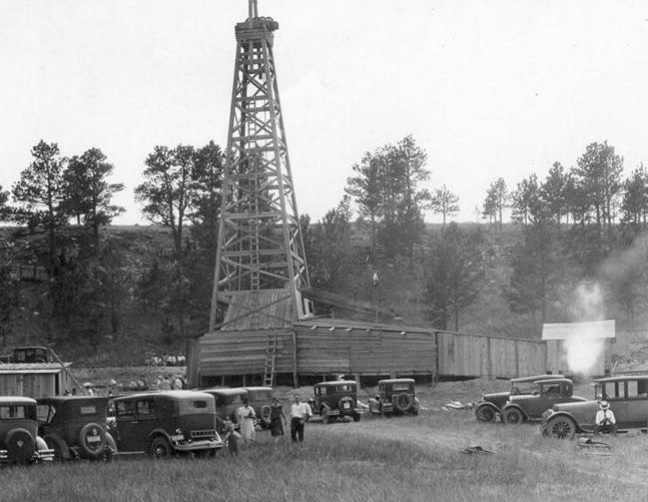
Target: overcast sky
(487,88)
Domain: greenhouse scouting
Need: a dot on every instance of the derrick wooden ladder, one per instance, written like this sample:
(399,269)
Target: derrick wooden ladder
(270,359)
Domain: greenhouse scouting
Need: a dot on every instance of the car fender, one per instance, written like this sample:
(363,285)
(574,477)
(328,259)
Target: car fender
(563,414)
(487,404)
(56,442)
(159,432)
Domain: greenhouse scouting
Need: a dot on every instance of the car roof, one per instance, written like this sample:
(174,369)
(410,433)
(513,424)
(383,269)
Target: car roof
(334,382)
(16,400)
(225,391)
(66,399)
(175,394)
(397,380)
(554,380)
(535,378)
(621,378)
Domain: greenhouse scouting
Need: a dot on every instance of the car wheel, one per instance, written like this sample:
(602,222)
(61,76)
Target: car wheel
(561,428)
(160,448)
(513,416)
(485,413)
(20,445)
(61,450)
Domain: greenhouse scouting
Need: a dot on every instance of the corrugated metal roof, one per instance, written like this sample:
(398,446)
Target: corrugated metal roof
(579,330)
(31,368)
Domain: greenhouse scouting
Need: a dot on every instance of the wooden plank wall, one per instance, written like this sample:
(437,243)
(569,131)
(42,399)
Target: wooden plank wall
(243,352)
(31,385)
(475,355)
(365,351)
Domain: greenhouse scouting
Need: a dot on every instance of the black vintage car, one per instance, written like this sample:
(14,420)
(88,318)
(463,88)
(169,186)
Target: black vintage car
(19,439)
(336,399)
(75,427)
(395,396)
(489,407)
(166,423)
(530,407)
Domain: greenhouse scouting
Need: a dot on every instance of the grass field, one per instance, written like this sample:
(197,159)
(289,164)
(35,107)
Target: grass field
(391,459)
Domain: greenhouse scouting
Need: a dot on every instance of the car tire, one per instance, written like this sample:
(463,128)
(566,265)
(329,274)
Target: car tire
(402,402)
(513,416)
(344,400)
(60,447)
(485,413)
(561,427)
(92,449)
(20,445)
(110,449)
(160,448)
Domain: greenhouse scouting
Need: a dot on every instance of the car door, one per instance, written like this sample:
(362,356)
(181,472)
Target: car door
(127,427)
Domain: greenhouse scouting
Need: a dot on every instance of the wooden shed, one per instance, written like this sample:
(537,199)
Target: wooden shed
(33,379)
(330,346)
(580,347)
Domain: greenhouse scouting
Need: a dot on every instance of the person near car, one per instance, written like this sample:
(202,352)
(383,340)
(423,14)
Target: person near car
(277,420)
(246,419)
(232,437)
(299,415)
(605,419)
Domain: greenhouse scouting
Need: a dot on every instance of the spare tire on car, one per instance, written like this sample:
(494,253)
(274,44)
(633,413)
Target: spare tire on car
(92,440)
(402,402)
(20,445)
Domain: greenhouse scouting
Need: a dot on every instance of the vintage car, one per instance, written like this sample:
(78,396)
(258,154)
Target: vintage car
(395,396)
(75,427)
(628,399)
(227,400)
(336,399)
(489,407)
(260,398)
(19,439)
(166,423)
(529,407)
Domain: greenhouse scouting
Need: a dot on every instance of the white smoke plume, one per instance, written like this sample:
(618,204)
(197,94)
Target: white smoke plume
(581,351)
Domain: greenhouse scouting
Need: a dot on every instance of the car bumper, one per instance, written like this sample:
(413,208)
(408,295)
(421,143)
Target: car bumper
(181,445)
(38,456)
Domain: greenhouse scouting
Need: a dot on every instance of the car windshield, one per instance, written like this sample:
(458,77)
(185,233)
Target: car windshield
(45,413)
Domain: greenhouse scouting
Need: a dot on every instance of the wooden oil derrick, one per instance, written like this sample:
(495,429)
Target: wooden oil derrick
(260,246)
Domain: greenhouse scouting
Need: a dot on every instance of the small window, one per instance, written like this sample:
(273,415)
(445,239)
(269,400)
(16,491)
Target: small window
(145,407)
(321,391)
(45,413)
(88,410)
(125,409)
(400,386)
(199,404)
(13,412)
(632,390)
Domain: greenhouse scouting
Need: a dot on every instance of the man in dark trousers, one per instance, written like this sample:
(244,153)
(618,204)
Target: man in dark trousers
(299,415)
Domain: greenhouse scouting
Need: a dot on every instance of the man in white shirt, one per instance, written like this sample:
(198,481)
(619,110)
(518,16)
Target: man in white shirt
(605,419)
(299,415)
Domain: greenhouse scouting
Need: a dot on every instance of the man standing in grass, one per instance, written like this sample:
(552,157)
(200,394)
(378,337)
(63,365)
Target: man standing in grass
(299,415)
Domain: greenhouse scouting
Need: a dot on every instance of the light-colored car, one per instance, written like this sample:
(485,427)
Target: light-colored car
(628,399)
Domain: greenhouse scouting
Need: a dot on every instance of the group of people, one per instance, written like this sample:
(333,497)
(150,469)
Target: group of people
(300,413)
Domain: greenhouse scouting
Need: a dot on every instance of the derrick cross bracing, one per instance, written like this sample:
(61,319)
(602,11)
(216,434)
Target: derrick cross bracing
(260,246)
